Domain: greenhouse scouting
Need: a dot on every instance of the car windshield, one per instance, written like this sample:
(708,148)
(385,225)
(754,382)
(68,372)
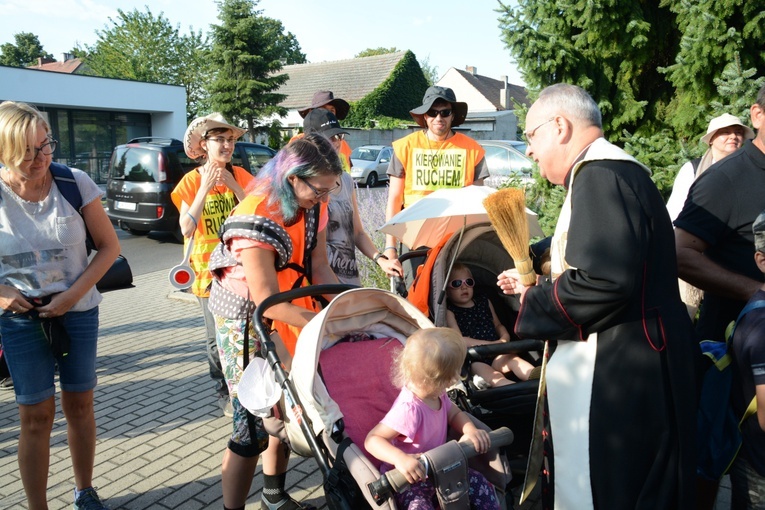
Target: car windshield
(365,154)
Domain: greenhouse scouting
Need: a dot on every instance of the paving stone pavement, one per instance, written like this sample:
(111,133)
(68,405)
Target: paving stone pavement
(161,434)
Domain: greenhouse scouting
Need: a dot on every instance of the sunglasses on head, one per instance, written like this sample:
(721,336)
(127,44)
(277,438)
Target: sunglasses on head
(447,112)
(456,284)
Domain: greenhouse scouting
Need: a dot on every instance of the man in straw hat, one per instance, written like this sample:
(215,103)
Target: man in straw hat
(620,382)
(204,197)
(434,158)
(326,100)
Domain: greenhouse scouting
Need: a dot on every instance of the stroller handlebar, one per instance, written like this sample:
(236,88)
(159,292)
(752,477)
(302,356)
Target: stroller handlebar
(478,352)
(395,481)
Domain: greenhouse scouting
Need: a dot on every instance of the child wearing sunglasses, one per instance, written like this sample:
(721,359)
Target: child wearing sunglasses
(473,316)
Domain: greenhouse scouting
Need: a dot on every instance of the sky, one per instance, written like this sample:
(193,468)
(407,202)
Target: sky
(450,33)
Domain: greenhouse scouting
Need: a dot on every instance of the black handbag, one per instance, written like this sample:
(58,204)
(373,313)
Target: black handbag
(119,276)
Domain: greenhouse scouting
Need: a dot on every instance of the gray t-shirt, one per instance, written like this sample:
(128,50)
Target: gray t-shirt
(341,246)
(42,245)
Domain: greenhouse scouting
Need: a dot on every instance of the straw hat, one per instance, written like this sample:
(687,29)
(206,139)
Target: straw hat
(723,121)
(198,129)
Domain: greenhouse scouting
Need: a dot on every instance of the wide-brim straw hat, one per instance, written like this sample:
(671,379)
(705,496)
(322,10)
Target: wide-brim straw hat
(723,121)
(198,129)
(325,97)
(432,95)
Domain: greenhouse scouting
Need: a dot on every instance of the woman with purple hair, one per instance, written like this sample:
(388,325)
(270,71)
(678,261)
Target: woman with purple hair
(273,241)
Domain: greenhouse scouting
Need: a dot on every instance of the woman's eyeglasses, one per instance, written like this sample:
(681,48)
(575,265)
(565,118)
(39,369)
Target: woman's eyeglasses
(447,112)
(456,284)
(47,149)
(320,193)
(221,140)
(338,137)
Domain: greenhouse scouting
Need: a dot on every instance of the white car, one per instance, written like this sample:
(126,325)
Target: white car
(507,163)
(369,164)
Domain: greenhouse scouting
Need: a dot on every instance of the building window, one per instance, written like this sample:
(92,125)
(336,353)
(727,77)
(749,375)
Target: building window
(87,137)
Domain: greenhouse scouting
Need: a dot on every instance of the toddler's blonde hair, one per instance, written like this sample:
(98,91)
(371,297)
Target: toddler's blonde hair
(431,360)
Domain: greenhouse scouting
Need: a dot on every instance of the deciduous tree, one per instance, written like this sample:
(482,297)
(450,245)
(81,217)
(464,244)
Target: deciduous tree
(139,46)
(24,53)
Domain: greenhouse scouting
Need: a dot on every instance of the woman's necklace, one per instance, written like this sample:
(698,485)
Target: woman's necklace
(17,191)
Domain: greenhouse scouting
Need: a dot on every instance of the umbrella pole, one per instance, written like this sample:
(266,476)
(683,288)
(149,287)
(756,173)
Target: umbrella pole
(451,262)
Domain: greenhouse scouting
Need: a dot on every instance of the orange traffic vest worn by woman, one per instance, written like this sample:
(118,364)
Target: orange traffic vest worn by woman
(253,225)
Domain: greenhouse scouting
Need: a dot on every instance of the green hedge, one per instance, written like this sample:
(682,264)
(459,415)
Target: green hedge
(392,99)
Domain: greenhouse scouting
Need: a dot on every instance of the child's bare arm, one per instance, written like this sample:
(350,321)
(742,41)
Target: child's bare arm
(460,421)
(504,335)
(760,393)
(378,444)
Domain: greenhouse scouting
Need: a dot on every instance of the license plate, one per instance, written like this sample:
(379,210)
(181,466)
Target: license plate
(125,206)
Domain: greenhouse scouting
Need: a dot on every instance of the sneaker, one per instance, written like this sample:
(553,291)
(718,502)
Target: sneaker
(480,383)
(224,402)
(6,383)
(89,500)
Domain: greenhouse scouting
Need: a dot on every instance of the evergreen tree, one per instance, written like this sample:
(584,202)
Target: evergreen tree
(713,33)
(738,87)
(611,49)
(24,53)
(247,53)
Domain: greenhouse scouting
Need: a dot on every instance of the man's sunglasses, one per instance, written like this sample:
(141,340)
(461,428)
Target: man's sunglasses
(456,284)
(443,113)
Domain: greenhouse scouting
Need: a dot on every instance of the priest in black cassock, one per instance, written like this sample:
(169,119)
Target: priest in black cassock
(620,381)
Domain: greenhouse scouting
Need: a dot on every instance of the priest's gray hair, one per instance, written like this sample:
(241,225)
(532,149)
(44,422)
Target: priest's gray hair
(572,102)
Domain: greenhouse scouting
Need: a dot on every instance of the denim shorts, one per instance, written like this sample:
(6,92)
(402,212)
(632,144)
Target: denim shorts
(32,363)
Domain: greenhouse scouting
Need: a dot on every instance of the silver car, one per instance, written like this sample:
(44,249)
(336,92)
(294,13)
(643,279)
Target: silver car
(507,163)
(369,164)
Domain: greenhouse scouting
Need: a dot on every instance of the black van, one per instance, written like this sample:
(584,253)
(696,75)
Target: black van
(144,171)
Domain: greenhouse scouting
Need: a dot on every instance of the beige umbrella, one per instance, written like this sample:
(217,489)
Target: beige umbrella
(444,212)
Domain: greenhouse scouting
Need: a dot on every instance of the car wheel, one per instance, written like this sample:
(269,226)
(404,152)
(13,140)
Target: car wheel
(178,234)
(372,180)
(137,231)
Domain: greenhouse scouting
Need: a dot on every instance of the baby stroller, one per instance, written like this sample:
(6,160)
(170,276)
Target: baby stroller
(513,406)
(340,386)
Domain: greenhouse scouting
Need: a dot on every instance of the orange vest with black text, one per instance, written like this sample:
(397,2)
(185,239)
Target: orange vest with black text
(429,166)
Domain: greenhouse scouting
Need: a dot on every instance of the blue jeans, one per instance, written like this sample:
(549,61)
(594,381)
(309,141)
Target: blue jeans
(32,363)
(747,486)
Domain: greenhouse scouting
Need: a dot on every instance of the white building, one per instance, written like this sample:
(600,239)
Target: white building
(90,115)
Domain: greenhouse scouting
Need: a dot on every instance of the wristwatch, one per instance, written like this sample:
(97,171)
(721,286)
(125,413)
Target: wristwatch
(379,256)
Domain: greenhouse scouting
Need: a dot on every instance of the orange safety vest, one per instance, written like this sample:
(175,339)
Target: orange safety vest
(218,205)
(429,165)
(288,276)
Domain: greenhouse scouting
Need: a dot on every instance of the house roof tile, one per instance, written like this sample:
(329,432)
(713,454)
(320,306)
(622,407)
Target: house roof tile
(491,88)
(68,67)
(350,79)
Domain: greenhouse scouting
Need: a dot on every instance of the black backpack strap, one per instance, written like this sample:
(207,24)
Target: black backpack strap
(67,185)
(695,164)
